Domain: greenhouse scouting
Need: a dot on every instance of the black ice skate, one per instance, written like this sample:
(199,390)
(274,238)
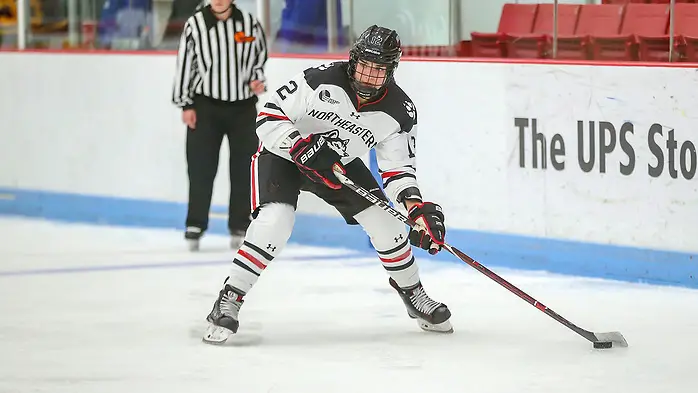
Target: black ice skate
(432,316)
(193,236)
(223,318)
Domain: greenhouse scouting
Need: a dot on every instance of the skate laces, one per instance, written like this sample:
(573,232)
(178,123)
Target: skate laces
(230,306)
(422,302)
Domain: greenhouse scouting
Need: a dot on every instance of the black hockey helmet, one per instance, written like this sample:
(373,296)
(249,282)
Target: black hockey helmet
(377,45)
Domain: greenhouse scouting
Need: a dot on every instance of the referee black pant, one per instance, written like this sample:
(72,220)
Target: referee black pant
(214,120)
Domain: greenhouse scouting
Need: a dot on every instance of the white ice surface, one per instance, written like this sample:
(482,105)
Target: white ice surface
(319,325)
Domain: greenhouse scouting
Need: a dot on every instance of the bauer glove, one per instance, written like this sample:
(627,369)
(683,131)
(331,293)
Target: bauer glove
(432,232)
(314,158)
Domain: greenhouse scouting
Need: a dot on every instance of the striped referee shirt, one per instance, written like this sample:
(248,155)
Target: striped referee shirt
(219,58)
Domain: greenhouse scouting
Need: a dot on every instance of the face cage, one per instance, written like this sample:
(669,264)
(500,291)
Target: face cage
(366,91)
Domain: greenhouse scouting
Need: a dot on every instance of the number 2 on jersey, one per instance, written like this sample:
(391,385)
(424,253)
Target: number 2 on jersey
(287,89)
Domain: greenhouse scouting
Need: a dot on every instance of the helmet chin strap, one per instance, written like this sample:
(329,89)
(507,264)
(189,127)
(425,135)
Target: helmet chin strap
(367,92)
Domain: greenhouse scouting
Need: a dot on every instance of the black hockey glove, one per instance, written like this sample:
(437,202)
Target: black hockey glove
(431,218)
(314,158)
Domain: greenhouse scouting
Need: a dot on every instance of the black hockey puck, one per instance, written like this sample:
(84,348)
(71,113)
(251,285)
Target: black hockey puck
(603,344)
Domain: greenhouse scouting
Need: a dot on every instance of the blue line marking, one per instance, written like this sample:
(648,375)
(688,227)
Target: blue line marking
(163,265)
(631,264)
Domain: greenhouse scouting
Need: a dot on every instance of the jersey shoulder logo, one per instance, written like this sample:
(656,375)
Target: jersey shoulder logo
(326,74)
(409,107)
(325,97)
(327,66)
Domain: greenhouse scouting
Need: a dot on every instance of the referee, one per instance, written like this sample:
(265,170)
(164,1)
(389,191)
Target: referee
(220,72)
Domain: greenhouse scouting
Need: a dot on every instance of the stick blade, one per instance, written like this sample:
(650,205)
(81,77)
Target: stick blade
(614,337)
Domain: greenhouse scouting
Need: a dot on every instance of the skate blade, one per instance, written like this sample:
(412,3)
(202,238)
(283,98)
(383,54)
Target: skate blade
(443,327)
(217,335)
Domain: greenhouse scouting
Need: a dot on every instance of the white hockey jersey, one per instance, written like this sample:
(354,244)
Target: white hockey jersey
(320,100)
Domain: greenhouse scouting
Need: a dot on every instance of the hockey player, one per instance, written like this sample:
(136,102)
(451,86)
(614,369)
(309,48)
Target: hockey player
(334,114)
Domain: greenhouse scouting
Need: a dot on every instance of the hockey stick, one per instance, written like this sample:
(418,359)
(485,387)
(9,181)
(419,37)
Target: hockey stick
(599,340)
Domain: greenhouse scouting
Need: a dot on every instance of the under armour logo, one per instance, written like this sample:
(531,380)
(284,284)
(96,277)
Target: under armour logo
(354,115)
(271,248)
(398,238)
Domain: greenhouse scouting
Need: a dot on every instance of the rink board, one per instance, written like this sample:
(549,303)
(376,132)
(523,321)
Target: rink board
(506,149)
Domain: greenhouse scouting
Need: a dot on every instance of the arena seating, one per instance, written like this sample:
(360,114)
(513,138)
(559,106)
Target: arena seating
(618,30)
(515,19)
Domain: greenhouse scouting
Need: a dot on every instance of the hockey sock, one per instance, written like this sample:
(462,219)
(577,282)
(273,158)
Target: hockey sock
(265,238)
(389,238)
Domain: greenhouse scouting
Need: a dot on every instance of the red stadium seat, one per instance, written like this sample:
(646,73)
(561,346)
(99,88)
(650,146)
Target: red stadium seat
(515,19)
(593,19)
(656,48)
(537,44)
(639,20)
(624,1)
